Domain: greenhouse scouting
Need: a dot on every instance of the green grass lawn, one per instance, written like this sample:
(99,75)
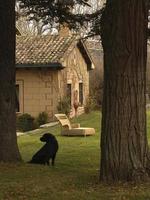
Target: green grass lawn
(75,176)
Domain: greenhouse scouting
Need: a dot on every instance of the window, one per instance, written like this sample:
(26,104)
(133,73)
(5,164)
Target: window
(69,92)
(81,93)
(17,99)
(19,96)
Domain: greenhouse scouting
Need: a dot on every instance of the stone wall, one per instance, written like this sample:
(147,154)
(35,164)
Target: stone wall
(75,73)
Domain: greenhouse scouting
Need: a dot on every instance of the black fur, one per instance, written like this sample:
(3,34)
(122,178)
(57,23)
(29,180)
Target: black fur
(47,152)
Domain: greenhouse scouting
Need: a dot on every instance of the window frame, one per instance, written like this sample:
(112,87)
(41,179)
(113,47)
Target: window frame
(69,92)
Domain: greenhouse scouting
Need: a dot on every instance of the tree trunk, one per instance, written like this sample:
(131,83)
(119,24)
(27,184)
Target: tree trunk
(124,146)
(8,141)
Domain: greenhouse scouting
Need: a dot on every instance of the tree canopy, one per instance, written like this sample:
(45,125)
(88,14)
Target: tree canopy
(57,12)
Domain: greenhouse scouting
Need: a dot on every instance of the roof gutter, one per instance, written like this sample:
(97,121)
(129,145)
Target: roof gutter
(41,65)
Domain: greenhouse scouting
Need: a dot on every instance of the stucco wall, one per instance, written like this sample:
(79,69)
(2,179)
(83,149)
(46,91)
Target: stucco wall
(37,91)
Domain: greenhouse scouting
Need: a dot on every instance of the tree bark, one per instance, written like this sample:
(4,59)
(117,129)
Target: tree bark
(8,140)
(124,146)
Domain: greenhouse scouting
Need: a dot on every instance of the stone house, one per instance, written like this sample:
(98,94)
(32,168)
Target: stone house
(96,75)
(48,68)
(96,52)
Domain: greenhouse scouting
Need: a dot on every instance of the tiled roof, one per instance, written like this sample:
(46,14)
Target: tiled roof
(96,52)
(44,49)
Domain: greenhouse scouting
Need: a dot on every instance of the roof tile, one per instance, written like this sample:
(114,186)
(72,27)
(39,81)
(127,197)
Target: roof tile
(41,49)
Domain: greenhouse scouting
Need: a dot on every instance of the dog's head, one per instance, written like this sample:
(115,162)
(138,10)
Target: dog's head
(47,137)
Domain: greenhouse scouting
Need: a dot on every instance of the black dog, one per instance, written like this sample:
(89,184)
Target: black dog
(47,152)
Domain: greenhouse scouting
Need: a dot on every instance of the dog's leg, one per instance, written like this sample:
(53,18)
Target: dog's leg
(47,162)
(53,159)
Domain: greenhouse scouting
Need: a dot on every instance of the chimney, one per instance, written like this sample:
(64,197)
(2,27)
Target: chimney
(64,30)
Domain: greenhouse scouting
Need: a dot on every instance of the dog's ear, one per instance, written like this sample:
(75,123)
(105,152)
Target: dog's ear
(44,137)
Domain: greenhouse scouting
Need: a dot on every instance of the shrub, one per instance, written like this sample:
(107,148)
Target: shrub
(25,122)
(64,105)
(42,118)
(96,84)
(90,105)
